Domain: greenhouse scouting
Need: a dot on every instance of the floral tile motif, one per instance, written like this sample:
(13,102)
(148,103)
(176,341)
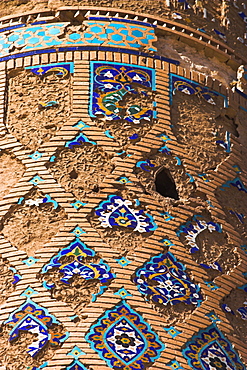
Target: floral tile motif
(115,211)
(193,229)
(61,69)
(70,262)
(237,183)
(226,144)
(79,140)
(111,83)
(209,350)
(76,365)
(36,320)
(124,340)
(178,83)
(164,280)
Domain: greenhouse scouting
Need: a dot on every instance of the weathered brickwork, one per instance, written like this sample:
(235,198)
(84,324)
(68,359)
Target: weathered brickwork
(123,226)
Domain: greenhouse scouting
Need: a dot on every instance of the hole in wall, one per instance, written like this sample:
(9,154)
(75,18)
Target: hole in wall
(165,185)
(73,174)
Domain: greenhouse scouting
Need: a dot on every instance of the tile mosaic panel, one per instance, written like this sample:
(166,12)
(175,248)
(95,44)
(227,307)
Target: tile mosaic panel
(36,320)
(210,350)
(193,229)
(73,260)
(163,280)
(124,340)
(61,69)
(96,33)
(116,211)
(112,83)
(189,87)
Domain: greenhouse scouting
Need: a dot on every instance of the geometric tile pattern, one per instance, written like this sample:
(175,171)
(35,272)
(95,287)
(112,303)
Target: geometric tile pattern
(50,35)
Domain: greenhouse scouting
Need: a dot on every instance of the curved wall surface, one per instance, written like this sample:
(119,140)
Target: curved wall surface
(123,194)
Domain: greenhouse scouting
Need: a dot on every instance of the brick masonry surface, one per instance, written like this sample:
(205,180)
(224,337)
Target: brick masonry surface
(119,276)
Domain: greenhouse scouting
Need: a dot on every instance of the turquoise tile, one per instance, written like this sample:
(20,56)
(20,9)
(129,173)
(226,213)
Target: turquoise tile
(117,25)
(88,35)
(41,33)
(75,36)
(76,42)
(96,29)
(114,43)
(150,37)
(13,38)
(137,33)
(34,29)
(144,41)
(21,42)
(110,30)
(26,35)
(130,38)
(96,41)
(124,32)
(45,38)
(134,45)
(117,37)
(33,40)
(54,31)
(53,43)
